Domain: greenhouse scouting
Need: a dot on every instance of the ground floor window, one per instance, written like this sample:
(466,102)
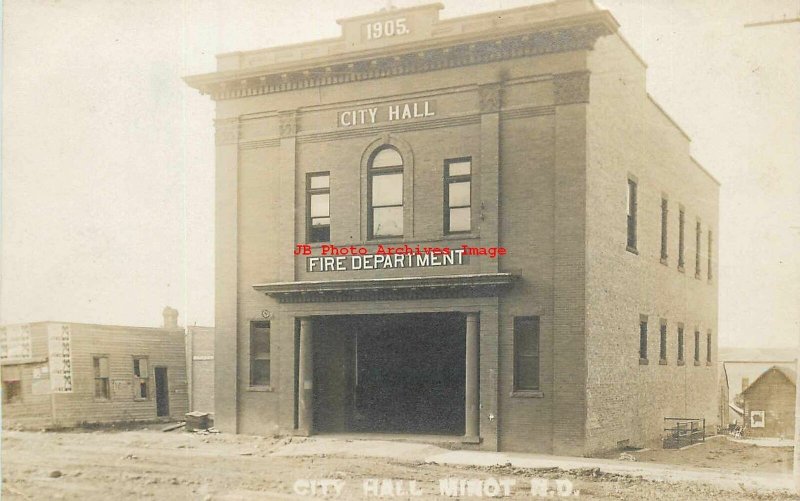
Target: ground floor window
(141,375)
(101,374)
(259,353)
(526,353)
(12,392)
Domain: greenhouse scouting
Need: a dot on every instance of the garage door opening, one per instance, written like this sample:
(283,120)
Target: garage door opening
(400,373)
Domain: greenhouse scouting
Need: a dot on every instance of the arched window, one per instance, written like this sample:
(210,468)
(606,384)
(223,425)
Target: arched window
(385,197)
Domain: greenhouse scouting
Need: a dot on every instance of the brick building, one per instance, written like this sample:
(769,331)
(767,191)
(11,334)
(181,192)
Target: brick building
(66,374)
(529,130)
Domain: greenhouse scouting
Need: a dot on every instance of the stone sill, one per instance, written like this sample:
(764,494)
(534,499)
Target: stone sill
(643,361)
(662,361)
(526,394)
(260,388)
(697,363)
(681,362)
(632,250)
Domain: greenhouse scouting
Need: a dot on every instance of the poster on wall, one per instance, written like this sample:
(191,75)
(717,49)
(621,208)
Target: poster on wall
(757,419)
(60,354)
(15,342)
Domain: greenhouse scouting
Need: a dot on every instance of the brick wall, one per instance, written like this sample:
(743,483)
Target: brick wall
(629,135)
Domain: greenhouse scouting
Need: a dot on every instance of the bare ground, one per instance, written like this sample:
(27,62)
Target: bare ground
(148,464)
(720,452)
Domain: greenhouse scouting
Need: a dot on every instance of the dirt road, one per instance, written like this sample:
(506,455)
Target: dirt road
(148,464)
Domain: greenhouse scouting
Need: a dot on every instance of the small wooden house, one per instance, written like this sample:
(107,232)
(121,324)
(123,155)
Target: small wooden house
(65,374)
(769,404)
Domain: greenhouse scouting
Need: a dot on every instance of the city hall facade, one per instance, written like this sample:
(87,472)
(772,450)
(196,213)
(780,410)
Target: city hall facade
(479,227)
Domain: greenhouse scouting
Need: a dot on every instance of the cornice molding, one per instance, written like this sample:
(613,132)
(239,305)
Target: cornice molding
(269,80)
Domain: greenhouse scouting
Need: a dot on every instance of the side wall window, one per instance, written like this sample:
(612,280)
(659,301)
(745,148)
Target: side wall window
(457,195)
(697,346)
(664,226)
(632,206)
(318,203)
(681,238)
(698,234)
(259,353)
(526,353)
(662,342)
(385,194)
(680,343)
(642,339)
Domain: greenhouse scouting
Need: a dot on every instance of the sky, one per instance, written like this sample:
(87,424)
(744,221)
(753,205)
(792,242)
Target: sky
(107,156)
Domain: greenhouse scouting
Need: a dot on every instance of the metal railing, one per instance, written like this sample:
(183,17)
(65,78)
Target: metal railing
(680,432)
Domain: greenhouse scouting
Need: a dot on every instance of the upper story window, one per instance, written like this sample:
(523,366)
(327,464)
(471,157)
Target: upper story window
(632,204)
(681,238)
(457,195)
(698,234)
(318,203)
(385,194)
(710,248)
(662,342)
(680,344)
(664,213)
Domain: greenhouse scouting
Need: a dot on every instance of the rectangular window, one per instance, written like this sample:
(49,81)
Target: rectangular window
(710,247)
(643,338)
(680,344)
(12,384)
(101,374)
(708,347)
(141,374)
(662,345)
(259,353)
(664,212)
(632,203)
(697,346)
(457,195)
(681,238)
(526,353)
(318,203)
(698,237)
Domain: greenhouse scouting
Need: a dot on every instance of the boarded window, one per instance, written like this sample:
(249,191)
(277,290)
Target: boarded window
(141,375)
(259,353)
(526,353)
(101,375)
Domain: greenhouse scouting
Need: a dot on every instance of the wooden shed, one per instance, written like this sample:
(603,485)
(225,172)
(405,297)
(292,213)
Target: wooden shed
(769,404)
